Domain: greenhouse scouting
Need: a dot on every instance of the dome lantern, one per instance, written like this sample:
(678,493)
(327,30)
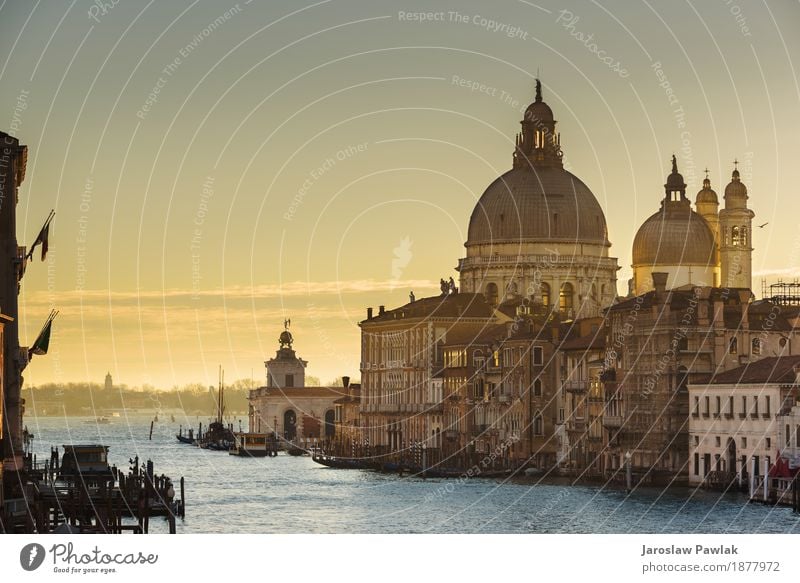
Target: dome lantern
(538,144)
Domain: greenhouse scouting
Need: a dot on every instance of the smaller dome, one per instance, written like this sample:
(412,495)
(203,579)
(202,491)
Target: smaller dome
(736,187)
(675,235)
(286,338)
(539,110)
(675,180)
(706,194)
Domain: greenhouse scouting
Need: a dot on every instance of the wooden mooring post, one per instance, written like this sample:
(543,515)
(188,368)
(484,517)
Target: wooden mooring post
(151,430)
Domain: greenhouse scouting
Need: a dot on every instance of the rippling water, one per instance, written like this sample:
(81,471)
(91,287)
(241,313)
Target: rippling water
(287,494)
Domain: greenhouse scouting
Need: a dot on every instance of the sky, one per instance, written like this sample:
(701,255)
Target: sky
(217,167)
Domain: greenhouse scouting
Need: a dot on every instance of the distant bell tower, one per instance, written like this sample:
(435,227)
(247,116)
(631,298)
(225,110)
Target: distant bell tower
(707,205)
(735,226)
(109,383)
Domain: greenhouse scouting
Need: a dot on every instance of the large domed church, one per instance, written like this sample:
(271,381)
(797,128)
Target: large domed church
(538,232)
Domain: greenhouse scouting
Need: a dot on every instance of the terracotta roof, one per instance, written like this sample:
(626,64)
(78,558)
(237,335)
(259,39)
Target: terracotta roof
(459,305)
(775,369)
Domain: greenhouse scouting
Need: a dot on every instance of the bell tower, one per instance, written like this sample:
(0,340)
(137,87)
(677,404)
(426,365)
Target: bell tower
(735,227)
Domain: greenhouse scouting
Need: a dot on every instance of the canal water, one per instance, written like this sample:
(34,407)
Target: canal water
(285,494)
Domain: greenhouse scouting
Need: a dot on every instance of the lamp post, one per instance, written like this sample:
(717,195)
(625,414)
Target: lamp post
(424,460)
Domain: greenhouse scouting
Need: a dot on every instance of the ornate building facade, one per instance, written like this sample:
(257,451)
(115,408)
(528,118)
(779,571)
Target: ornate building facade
(538,232)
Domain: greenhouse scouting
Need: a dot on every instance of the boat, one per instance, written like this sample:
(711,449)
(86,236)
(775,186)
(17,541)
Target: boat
(188,439)
(254,445)
(296,450)
(98,421)
(218,437)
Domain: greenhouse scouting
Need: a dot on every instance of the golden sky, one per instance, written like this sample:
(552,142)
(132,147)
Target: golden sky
(216,167)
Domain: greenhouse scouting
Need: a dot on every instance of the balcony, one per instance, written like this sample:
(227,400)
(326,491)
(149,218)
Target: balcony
(450,434)
(613,420)
(575,386)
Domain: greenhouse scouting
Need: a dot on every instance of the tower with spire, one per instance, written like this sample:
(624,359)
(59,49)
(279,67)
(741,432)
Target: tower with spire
(707,205)
(735,228)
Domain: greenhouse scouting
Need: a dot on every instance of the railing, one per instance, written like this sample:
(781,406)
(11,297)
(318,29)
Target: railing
(575,386)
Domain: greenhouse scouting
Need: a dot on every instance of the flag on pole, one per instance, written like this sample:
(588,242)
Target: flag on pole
(42,342)
(43,237)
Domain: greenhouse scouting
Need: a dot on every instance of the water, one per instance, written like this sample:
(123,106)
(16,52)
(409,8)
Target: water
(285,494)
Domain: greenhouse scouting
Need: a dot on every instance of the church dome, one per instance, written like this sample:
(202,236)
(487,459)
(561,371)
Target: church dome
(675,235)
(706,194)
(539,204)
(735,188)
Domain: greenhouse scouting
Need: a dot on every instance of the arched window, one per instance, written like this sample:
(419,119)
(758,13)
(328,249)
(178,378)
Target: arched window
(565,298)
(756,346)
(491,293)
(537,388)
(538,428)
(544,293)
(594,292)
(743,236)
(511,289)
(734,236)
(289,424)
(733,346)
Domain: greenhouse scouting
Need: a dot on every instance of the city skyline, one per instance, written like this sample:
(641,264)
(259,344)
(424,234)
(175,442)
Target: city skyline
(310,162)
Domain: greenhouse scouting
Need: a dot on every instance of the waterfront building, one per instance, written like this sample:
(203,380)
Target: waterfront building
(581,357)
(404,397)
(742,419)
(660,342)
(13,163)
(347,418)
(286,406)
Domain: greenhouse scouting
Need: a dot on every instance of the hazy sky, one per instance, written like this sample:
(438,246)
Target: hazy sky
(216,167)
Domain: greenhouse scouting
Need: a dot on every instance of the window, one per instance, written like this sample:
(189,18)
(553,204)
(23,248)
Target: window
(544,293)
(756,346)
(696,464)
(717,441)
(561,415)
(786,436)
(729,414)
(718,409)
(565,298)
(743,236)
(538,357)
(683,343)
(537,388)
(734,236)
(696,440)
(768,444)
(743,412)
(491,293)
(696,411)
(289,381)
(707,411)
(538,429)
(744,443)
(766,407)
(754,413)
(733,346)
(797,435)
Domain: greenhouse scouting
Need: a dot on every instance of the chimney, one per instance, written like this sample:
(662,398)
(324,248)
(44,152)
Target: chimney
(369,313)
(381,310)
(345,382)
(660,284)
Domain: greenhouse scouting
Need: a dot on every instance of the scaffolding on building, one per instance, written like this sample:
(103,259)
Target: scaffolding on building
(782,293)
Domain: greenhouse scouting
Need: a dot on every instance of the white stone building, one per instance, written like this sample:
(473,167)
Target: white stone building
(739,417)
